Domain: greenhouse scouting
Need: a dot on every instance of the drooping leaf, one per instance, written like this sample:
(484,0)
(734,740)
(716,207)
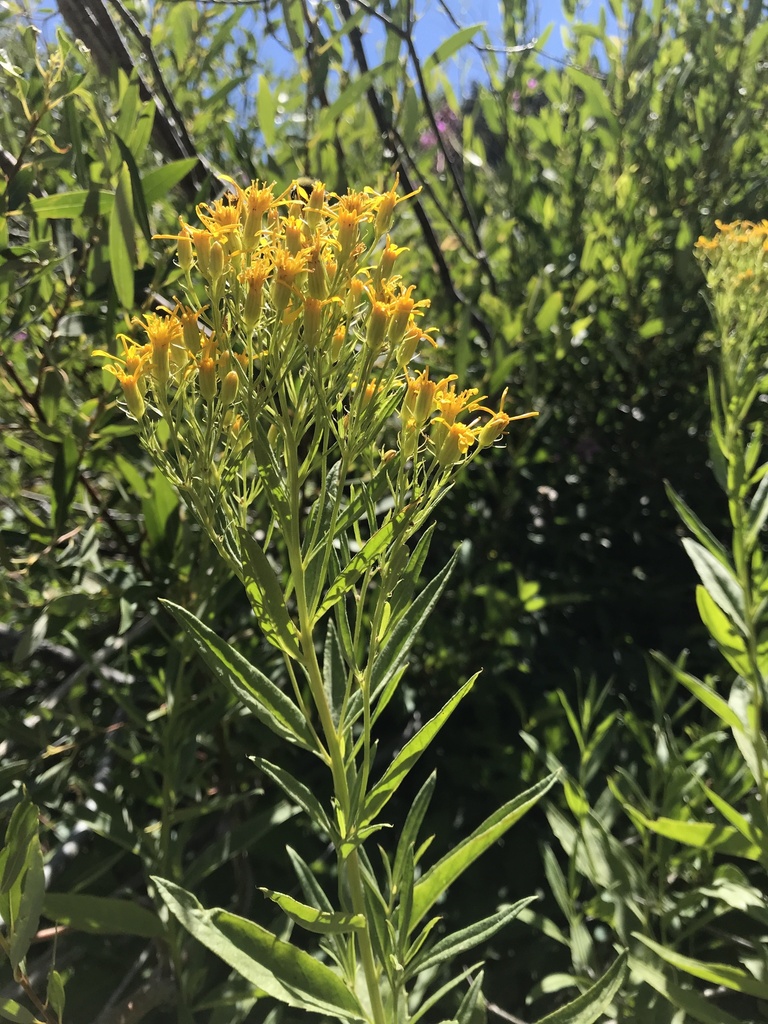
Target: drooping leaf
(278,968)
(698,1007)
(101,915)
(440,876)
(267,701)
(593,1003)
(321,921)
(297,791)
(717,974)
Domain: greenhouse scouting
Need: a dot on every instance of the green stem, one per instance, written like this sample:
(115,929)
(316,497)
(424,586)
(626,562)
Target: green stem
(315,679)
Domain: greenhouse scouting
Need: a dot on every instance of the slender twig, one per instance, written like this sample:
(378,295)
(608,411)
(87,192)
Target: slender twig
(386,129)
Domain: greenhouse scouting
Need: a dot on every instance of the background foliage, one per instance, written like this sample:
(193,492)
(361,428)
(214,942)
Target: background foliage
(554,232)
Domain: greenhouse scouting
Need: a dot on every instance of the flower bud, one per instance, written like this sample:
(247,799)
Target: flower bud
(217,261)
(133,396)
(184,250)
(229,388)
(313,211)
(207,379)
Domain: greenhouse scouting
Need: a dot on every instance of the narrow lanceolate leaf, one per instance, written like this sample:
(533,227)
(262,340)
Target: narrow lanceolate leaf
(267,599)
(732,645)
(717,974)
(30,906)
(697,1007)
(297,791)
(267,701)
(395,648)
(592,1004)
(21,830)
(410,832)
(434,882)
(321,921)
(466,939)
(695,525)
(334,673)
(720,581)
(708,697)
(55,995)
(364,558)
(409,755)
(702,834)
(157,183)
(101,915)
(122,238)
(278,968)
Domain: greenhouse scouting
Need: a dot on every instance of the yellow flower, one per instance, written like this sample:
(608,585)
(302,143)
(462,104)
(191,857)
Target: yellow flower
(384,205)
(452,441)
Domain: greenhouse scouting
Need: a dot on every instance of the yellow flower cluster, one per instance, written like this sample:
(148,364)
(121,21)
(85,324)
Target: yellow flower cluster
(298,287)
(737,273)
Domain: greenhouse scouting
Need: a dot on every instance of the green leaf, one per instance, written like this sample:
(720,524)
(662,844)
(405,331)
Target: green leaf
(410,831)
(278,968)
(436,880)
(30,907)
(297,791)
(334,673)
(360,562)
(101,915)
(472,1007)
(596,101)
(22,829)
(137,193)
(265,700)
(122,238)
(314,920)
(11,1010)
(758,513)
(66,465)
(401,765)
(452,45)
(705,694)
(593,1003)
(722,631)
(549,312)
(719,580)
(266,108)
(156,184)
(697,1006)
(465,939)
(701,834)
(718,974)
(159,507)
(55,996)
(69,205)
(267,599)
(398,643)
